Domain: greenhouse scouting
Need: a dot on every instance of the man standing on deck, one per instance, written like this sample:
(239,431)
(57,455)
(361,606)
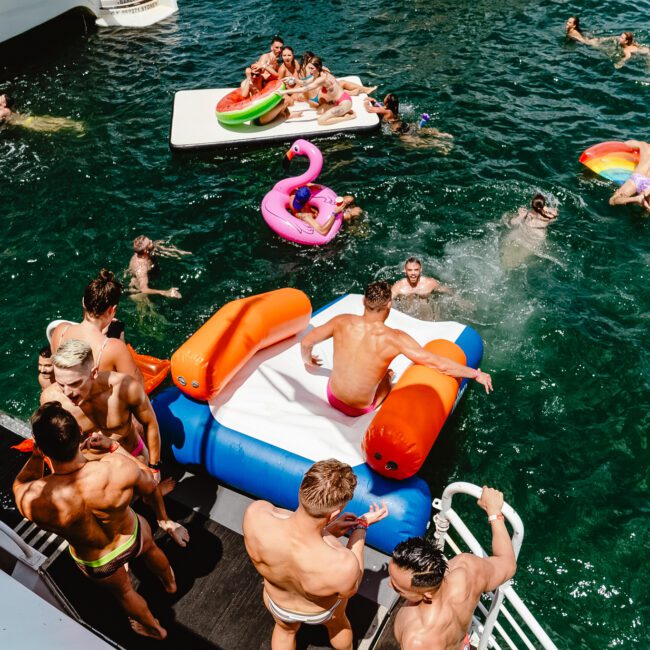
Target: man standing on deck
(441,597)
(308,575)
(109,402)
(364,348)
(86,500)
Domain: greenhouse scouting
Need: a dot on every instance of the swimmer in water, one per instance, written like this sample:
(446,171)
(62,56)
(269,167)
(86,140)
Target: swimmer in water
(411,294)
(298,208)
(574,32)
(40,123)
(629,46)
(637,188)
(416,137)
(143,263)
(529,233)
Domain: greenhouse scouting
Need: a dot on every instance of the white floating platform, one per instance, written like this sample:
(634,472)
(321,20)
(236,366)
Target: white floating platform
(195,125)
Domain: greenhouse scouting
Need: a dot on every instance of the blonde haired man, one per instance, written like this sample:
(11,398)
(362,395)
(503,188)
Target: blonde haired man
(108,402)
(308,574)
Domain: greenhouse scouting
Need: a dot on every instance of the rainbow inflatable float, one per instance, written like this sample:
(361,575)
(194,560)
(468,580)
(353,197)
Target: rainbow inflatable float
(275,203)
(612,160)
(248,412)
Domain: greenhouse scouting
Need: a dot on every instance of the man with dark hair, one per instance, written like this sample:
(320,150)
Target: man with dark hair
(416,284)
(268,64)
(441,597)
(45,368)
(308,575)
(101,298)
(86,500)
(364,348)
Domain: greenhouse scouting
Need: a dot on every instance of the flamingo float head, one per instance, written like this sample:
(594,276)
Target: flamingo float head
(302,148)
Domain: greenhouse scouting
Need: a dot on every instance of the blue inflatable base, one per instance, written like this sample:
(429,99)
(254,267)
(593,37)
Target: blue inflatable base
(191,434)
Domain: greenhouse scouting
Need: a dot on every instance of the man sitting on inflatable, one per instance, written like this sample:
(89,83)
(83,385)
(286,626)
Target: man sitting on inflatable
(364,348)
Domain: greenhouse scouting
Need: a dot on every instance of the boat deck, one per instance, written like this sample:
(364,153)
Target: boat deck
(218,605)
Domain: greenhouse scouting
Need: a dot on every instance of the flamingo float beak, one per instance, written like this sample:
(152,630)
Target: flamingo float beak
(287,159)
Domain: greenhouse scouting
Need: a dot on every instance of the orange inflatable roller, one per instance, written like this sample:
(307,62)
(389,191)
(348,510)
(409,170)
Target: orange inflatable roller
(207,361)
(402,433)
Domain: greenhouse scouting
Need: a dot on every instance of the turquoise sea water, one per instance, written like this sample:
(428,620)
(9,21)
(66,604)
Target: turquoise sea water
(565,433)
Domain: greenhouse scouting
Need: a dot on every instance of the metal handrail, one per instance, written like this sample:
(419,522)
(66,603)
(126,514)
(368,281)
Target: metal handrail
(30,556)
(446,517)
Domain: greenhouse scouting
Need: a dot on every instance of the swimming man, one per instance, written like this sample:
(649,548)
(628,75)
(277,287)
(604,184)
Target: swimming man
(637,188)
(441,597)
(364,348)
(416,284)
(308,574)
(85,499)
(45,368)
(143,263)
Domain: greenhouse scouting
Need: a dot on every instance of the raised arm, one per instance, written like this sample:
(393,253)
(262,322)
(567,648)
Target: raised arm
(318,334)
(28,484)
(316,83)
(141,276)
(493,571)
(411,349)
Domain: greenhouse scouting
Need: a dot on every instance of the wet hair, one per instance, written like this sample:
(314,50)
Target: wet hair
(413,260)
(403,127)
(277,39)
(9,101)
(56,432)
(391,102)
(307,56)
(102,293)
(424,559)
(139,244)
(72,353)
(45,352)
(577,24)
(326,486)
(317,62)
(377,295)
(629,37)
(538,203)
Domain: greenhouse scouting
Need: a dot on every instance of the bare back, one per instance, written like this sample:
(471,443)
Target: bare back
(363,350)
(303,573)
(443,623)
(88,507)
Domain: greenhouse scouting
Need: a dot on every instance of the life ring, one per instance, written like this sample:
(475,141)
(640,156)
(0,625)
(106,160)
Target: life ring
(234,109)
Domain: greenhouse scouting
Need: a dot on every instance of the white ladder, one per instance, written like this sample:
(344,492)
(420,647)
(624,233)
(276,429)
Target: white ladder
(521,622)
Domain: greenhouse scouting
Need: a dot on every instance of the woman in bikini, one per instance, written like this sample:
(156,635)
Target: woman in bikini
(290,68)
(338,102)
(100,305)
(637,188)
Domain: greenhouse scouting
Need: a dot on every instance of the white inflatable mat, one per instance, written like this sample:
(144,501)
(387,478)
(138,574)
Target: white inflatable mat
(195,125)
(273,398)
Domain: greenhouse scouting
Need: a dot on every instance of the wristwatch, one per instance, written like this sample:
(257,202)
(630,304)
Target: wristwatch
(156,466)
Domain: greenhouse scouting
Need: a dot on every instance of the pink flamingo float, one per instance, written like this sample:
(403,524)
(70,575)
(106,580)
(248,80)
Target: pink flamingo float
(276,202)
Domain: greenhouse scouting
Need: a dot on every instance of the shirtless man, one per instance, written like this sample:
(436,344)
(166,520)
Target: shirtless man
(143,262)
(308,575)
(364,348)
(629,47)
(86,500)
(45,368)
(111,403)
(416,284)
(637,188)
(100,301)
(269,63)
(441,597)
